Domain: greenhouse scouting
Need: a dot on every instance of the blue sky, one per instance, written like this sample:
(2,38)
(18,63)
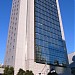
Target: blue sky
(67,12)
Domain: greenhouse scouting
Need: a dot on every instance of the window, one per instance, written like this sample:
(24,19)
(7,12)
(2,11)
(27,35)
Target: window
(15,28)
(12,57)
(14,34)
(14,40)
(16,18)
(13,47)
(11,38)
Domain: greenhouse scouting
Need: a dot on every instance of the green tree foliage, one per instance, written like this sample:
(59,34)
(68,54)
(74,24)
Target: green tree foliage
(28,72)
(8,71)
(22,72)
(11,71)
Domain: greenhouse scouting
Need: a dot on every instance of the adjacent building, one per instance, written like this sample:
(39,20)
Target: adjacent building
(1,69)
(36,37)
(71,58)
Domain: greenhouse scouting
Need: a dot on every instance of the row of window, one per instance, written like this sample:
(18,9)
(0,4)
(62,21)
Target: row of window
(52,33)
(15,2)
(49,50)
(12,28)
(51,19)
(45,10)
(46,21)
(49,44)
(14,18)
(46,4)
(49,27)
(45,15)
(49,40)
(49,59)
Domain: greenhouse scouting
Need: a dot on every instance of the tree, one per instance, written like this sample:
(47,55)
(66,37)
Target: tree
(21,72)
(8,71)
(28,72)
(11,71)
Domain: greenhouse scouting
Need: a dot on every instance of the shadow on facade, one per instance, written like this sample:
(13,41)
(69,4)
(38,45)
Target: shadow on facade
(72,65)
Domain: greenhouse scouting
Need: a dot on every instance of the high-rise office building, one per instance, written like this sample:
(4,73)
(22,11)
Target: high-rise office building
(36,38)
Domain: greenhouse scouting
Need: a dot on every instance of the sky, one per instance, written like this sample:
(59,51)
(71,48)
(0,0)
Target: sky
(67,13)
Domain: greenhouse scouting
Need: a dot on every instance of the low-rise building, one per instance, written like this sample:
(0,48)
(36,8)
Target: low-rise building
(1,71)
(71,58)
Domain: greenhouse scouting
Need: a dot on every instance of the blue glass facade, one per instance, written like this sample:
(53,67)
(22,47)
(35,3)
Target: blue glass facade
(49,45)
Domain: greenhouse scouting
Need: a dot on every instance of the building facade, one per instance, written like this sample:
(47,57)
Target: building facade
(36,38)
(1,71)
(71,58)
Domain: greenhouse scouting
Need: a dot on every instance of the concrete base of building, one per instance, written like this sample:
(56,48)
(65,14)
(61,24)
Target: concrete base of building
(61,70)
(44,69)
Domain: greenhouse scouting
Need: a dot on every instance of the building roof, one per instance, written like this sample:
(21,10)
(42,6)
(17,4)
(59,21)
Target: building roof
(71,53)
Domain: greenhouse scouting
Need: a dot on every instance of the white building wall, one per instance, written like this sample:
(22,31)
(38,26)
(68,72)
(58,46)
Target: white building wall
(31,65)
(70,56)
(12,34)
(21,45)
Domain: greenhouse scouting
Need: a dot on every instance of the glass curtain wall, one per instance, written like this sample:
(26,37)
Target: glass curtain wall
(49,46)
